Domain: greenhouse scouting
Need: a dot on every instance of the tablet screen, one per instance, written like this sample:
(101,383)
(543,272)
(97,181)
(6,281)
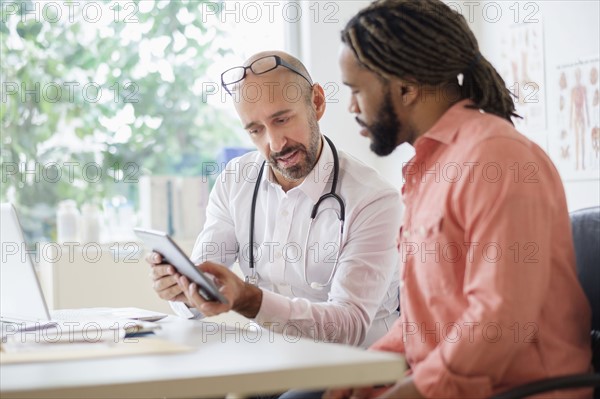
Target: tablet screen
(160,242)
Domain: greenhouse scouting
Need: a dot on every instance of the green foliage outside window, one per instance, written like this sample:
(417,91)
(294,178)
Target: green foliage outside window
(88,107)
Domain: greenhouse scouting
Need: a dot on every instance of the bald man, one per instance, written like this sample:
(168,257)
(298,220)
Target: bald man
(332,277)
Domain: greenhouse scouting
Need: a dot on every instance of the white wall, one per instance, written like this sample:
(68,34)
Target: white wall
(571,33)
(574,31)
(319,45)
(571,30)
(318,49)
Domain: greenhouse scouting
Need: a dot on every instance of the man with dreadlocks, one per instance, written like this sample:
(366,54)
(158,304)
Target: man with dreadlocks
(489,294)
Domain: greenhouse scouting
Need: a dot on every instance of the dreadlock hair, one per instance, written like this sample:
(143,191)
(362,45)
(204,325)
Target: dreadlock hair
(426,42)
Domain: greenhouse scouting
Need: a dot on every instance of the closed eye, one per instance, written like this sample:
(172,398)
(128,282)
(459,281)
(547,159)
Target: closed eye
(254,130)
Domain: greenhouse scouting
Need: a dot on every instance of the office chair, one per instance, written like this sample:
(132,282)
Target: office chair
(585,224)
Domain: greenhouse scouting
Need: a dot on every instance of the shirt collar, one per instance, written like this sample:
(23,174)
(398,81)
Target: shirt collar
(314,183)
(447,126)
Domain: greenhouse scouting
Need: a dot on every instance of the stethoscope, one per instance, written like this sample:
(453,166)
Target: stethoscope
(253,278)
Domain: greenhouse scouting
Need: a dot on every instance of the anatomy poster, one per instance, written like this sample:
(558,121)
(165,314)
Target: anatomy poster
(521,65)
(574,141)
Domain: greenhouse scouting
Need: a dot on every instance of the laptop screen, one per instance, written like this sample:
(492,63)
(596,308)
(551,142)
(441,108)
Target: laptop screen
(21,297)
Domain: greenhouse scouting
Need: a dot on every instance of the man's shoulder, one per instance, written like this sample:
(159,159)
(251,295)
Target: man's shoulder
(491,136)
(495,150)
(483,125)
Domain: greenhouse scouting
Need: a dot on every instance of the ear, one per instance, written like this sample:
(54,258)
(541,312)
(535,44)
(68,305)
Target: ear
(318,100)
(406,92)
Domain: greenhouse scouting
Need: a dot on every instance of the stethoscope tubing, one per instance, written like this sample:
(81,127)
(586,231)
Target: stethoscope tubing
(331,194)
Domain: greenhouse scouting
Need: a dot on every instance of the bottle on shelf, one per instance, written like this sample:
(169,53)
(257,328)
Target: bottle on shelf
(90,224)
(67,222)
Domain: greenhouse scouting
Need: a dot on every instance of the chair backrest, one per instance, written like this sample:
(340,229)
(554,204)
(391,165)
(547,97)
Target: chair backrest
(586,236)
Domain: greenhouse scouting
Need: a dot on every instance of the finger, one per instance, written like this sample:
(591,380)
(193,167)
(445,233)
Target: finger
(160,271)
(168,288)
(183,283)
(218,271)
(154,258)
(190,290)
(193,297)
(180,298)
(173,293)
(164,283)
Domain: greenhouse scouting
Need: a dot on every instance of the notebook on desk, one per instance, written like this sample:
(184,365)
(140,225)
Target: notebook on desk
(24,308)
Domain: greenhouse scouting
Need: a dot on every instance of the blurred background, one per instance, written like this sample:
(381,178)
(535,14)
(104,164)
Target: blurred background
(116,105)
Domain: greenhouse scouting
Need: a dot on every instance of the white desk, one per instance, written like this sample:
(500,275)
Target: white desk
(226,360)
(61,278)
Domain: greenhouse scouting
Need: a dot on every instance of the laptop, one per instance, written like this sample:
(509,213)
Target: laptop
(23,306)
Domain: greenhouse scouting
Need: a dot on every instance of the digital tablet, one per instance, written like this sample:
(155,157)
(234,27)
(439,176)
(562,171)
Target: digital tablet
(160,242)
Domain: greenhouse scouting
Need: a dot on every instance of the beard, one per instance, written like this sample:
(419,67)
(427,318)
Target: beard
(384,132)
(310,154)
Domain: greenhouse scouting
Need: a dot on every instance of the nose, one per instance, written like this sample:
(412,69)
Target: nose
(353,107)
(277,141)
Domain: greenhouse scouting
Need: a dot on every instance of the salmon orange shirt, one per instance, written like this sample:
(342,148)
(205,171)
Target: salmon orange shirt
(489,292)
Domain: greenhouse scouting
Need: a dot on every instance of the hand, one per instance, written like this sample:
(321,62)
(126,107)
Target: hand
(164,277)
(241,297)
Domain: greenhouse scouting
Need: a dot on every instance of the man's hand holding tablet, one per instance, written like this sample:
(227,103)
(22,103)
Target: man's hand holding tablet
(209,287)
(242,297)
(179,265)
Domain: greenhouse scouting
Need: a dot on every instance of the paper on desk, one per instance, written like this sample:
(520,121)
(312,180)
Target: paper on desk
(28,353)
(87,331)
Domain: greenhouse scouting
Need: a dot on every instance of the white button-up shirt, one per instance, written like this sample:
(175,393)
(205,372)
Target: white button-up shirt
(358,299)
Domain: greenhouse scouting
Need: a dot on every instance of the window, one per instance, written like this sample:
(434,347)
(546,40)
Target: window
(96,94)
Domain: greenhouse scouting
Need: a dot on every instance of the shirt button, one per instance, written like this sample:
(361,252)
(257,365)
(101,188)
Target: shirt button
(278,255)
(284,213)
(422,231)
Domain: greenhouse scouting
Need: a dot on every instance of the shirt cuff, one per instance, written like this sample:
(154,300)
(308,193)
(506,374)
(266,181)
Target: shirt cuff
(434,379)
(182,310)
(274,310)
